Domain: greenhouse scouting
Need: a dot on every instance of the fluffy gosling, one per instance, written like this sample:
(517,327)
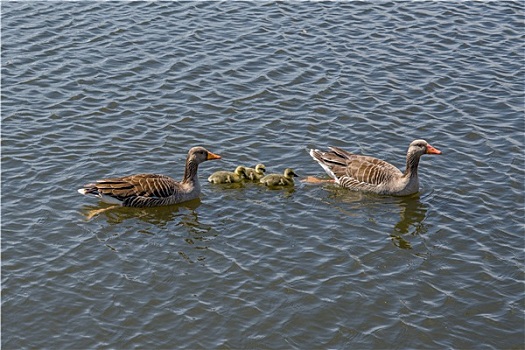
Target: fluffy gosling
(273,180)
(228,177)
(257,173)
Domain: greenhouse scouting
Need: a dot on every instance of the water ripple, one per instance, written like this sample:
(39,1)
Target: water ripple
(91,90)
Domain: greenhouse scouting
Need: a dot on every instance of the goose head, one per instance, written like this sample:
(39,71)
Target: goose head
(241,171)
(289,173)
(420,147)
(416,149)
(200,154)
(260,168)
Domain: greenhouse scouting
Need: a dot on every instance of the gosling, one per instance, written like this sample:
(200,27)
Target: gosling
(273,180)
(257,173)
(228,177)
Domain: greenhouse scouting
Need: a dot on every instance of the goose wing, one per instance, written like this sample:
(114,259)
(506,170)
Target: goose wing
(368,171)
(353,171)
(139,185)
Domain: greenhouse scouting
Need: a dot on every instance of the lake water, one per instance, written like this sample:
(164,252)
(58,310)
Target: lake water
(98,89)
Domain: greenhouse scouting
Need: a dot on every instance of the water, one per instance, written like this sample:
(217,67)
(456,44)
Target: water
(97,89)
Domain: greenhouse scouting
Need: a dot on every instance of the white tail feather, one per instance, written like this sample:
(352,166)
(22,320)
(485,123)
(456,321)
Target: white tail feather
(323,165)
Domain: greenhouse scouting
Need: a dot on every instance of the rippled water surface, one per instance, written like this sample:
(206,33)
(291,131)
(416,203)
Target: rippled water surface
(97,89)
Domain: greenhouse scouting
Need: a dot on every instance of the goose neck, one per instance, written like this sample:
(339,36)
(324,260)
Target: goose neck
(190,172)
(412,164)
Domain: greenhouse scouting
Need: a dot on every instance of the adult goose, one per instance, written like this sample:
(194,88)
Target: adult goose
(369,174)
(151,190)
(278,180)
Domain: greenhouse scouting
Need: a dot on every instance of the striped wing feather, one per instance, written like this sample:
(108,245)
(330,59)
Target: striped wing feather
(356,170)
(368,170)
(141,185)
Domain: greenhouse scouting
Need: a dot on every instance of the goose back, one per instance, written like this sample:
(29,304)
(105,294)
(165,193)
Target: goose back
(143,190)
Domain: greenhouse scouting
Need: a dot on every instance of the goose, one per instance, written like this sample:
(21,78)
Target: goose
(369,174)
(257,173)
(278,179)
(151,190)
(228,177)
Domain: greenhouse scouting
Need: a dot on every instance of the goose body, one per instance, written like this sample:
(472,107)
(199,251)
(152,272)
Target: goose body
(273,180)
(151,190)
(257,173)
(369,174)
(228,177)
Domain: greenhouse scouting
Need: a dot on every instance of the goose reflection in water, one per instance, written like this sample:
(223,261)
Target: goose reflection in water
(184,215)
(158,215)
(412,216)
(412,212)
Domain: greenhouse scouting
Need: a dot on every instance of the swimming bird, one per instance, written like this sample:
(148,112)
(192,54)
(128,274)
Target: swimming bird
(257,173)
(273,180)
(228,177)
(151,190)
(369,174)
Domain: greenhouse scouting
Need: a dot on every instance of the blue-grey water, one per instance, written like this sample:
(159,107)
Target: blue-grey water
(98,89)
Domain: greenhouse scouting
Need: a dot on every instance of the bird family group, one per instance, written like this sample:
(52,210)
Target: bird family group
(346,169)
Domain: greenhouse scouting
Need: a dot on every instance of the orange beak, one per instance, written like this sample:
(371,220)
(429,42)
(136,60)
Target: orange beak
(212,156)
(432,150)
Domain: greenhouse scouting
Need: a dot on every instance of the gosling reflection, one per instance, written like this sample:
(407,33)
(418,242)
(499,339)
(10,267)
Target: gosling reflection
(412,213)
(116,214)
